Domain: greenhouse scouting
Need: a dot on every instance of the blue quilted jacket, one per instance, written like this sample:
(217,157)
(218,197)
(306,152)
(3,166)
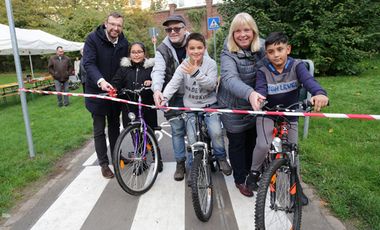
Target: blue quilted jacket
(238,71)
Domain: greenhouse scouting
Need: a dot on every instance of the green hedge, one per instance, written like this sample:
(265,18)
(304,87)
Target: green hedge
(336,35)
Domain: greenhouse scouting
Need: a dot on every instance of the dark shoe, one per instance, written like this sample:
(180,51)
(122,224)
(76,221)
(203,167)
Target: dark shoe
(106,171)
(60,105)
(225,166)
(251,181)
(180,171)
(244,190)
(66,104)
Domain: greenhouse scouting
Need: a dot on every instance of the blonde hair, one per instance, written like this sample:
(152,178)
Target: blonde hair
(243,19)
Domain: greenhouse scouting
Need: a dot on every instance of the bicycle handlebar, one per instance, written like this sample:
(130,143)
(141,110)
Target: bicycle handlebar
(300,106)
(135,91)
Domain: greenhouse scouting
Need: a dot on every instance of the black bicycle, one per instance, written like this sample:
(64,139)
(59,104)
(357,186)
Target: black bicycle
(204,162)
(278,200)
(136,157)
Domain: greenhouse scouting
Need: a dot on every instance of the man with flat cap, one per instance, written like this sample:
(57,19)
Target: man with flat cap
(169,55)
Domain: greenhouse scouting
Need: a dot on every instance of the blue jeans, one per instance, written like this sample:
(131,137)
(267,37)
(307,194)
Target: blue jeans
(214,130)
(62,87)
(177,125)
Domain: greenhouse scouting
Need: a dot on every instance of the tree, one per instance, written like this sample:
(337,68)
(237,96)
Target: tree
(73,20)
(336,35)
(156,5)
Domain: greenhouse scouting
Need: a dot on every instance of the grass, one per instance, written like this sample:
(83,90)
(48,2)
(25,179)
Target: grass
(55,132)
(11,77)
(341,157)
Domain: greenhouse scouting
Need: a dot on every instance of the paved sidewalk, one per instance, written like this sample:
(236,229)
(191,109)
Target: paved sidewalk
(317,217)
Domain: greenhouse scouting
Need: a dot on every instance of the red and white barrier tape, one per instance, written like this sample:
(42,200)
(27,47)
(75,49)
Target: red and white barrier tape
(294,114)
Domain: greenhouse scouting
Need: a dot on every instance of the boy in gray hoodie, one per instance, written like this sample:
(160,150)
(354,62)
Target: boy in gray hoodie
(199,76)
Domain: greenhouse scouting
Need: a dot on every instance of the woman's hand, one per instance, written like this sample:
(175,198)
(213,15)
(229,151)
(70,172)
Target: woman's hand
(256,99)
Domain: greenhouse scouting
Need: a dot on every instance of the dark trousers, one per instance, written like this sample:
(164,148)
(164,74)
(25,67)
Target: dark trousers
(240,149)
(99,125)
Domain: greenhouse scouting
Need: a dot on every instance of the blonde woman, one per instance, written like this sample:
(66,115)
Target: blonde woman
(243,49)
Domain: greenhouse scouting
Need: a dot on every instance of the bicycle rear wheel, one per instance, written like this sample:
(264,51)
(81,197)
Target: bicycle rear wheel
(277,201)
(201,187)
(134,159)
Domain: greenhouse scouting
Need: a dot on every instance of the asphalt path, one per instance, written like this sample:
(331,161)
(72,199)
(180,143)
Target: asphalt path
(78,197)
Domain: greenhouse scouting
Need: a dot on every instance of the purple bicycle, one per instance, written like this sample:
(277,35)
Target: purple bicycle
(136,157)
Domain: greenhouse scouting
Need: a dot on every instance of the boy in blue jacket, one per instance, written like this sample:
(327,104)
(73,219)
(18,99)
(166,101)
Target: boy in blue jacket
(278,82)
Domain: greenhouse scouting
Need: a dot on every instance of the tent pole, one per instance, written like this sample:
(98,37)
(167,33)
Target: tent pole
(31,65)
(19,78)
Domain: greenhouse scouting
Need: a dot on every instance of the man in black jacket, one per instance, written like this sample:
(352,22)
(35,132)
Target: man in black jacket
(103,51)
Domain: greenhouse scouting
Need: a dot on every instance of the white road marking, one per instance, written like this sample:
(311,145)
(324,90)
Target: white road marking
(166,133)
(243,206)
(163,206)
(74,205)
(91,160)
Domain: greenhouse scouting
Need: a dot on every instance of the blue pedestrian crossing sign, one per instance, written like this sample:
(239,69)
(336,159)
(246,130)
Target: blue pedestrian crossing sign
(213,23)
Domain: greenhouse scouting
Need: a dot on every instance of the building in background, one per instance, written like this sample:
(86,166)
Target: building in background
(165,8)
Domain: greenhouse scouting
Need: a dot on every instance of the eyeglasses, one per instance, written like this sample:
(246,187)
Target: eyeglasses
(175,29)
(115,25)
(137,52)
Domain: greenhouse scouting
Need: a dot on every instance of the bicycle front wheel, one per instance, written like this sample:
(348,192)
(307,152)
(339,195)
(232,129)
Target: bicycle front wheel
(135,159)
(277,201)
(201,187)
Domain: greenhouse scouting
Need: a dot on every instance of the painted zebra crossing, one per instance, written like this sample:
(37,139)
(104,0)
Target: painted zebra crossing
(83,205)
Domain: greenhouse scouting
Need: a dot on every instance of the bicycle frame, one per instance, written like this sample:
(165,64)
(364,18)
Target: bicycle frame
(140,119)
(201,138)
(282,148)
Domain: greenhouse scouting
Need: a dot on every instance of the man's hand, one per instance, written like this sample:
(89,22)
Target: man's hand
(255,99)
(164,103)
(319,101)
(158,98)
(105,86)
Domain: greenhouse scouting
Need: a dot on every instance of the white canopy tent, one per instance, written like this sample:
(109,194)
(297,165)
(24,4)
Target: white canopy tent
(34,42)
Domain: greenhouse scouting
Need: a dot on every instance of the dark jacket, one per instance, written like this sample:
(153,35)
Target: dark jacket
(101,59)
(60,69)
(166,63)
(132,76)
(237,82)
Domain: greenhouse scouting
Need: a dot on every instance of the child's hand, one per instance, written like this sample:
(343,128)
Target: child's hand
(147,83)
(189,68)
(319,101)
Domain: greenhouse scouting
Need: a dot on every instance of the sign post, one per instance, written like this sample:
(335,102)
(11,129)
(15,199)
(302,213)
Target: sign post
(213,23)
(153,32)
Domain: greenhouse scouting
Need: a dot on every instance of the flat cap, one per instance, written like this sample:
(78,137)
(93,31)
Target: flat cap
(174,18)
